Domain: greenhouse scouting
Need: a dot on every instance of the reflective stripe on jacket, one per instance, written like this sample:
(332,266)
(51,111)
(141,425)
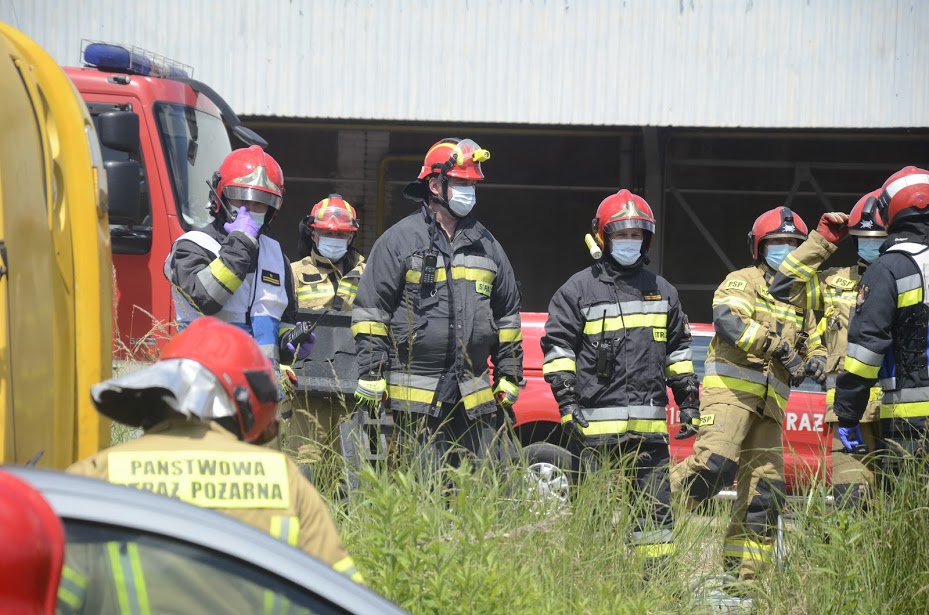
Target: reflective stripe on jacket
(888,338)
(322,283)
(800,282)
(749,325)
(432,340)
(634,319)
(239,280)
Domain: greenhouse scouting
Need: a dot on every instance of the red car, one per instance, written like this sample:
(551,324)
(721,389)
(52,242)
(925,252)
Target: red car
(538,424)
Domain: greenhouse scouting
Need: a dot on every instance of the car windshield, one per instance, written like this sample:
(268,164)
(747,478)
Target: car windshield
(195,144)
(701,344)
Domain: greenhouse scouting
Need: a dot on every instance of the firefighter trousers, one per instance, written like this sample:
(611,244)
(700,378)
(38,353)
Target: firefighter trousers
(646,464)
(743,446)
(313,428)
(430,443)
(853,475)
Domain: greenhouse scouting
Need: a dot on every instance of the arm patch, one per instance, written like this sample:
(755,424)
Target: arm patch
(736,285)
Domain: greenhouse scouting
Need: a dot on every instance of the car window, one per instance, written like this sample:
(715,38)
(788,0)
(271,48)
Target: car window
(701,344)
(108,569)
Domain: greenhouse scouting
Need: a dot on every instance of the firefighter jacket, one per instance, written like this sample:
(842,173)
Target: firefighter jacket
(887,337)
(750,324)
(324,284)
(205,465)
(621,332)
(799,282)
(432,338)
(238,279)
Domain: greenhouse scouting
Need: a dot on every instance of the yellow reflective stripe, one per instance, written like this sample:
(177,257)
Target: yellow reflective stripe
(728,382)
(137,600)
(561,364)
(875,394)
(781,313)
(510,335)
(813,293)
(799,270)
(910,297)
(477,275)
(748,336)
(741,548)
(656,550)
(346,566)
(630,321)
(482,396)
(905,410)
(863,370)
(681,367)
(224,275)
(735,302)
(781,401)
(289,524)
(73,587)
(598,428)
(566,419)
(369,327)
(309,291)
(411,394)
(414,277)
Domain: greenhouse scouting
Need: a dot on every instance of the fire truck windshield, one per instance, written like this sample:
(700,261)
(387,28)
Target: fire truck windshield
(195,144)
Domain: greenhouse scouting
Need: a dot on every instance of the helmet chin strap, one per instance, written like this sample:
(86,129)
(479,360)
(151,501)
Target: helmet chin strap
(443,201)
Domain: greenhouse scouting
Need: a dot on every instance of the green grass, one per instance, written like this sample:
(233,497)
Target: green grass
(477,544)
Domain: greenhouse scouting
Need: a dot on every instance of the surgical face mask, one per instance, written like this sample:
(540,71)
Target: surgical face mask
(775,255)
(869,248)
(332,248)
(461,200)
(258,218)
(626,251)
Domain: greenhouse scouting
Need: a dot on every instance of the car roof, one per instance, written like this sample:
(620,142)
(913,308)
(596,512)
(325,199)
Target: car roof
(97,501)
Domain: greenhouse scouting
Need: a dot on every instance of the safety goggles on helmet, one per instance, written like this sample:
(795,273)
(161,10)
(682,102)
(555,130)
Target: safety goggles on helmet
(455,158)
(333,214)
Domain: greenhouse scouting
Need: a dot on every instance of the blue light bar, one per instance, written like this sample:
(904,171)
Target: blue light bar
(132,60)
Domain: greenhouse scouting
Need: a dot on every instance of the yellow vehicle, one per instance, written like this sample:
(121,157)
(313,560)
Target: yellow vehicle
(55,281)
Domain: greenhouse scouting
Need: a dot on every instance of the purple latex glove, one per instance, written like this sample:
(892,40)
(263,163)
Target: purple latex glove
(243,222)
(304,348)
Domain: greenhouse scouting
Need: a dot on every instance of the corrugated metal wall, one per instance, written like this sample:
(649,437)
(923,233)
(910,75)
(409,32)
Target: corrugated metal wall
(713,63)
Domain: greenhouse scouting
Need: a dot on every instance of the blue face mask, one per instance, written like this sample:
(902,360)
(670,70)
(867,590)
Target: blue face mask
(775,255)
(869,248)
(626,251)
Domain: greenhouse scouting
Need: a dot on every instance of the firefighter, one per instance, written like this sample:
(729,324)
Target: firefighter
(887,338)
(204,406)
(616,336)
(800,282)
(437,299)
(327,278)
(756,355)
(231,268)
(33,550)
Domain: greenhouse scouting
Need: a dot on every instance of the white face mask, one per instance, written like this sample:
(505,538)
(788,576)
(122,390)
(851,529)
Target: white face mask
(461,200)
(332,248)
(626,251)
(258,218)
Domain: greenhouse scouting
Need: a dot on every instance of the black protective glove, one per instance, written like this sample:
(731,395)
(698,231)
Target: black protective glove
(568,406)
(816,369)
(690,423)
(792,362)
(571,414)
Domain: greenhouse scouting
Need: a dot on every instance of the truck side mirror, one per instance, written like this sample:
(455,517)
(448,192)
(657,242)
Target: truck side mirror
(249,136)
(119,130)
(123,187)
